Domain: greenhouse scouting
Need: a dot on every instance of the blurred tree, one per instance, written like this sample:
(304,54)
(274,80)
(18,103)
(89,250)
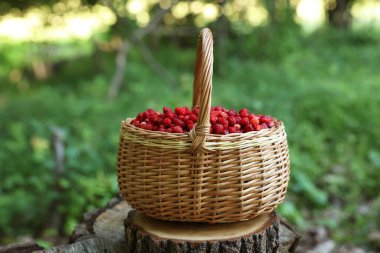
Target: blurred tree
(338,13)
(279,11)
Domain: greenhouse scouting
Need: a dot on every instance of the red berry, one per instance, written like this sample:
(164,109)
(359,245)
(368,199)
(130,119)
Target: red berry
(231,120)
(263,126)
(140,116)
(149,126)
(244,121)
(218,108)
(180,110)
(169,130)
(146,115)
(166,110)
(167,122)
(232,112)
(257,127)
(271,124)
(254,121)
(218,128)
(193,117)
(213,119)
(169,115)
(266,119)
(178,122)
(248,128)
(237,126)
(232,129)
(153,118)
(243,112)
(177,129)
(150,110)
(143,125)
(190,126)
(195,110)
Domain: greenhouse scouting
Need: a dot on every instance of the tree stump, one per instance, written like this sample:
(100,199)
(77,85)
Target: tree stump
(145,234)
(103,230)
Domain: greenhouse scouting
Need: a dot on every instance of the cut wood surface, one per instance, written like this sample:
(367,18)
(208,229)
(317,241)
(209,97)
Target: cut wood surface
(145,234)
(103,230)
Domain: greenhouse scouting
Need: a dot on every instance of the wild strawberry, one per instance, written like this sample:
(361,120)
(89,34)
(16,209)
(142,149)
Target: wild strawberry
(244,121)
(188,122)
(187,110)
(238,119)
(193,117)
(257,127)
(224,122)
(146,115)
(149,126)
(232,129)
(232,112)
(254,121)
(237,126)
(218,128)
(159,120)
(243,112)
(213,119)
(190,126)
(271,124)
(153,118)
(181,117)
(150,110)
(169,115)
(178,122)
(218,108)
(263,126)
(169,130)
(142,125)
(166,110)
(177,129)
(180,110)
(195,110)
(231,120)
(266,119)
(167,122)
(248,128)
(140,116)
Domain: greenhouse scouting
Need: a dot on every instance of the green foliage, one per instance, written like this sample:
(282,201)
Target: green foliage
(323,86)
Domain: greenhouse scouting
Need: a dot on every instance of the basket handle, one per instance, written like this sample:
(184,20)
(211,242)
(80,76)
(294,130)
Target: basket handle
(202,89)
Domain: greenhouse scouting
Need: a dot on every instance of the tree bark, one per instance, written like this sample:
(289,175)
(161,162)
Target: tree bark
(145,234)
(339,14)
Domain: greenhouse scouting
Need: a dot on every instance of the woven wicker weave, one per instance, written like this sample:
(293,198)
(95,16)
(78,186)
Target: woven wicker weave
(203,177)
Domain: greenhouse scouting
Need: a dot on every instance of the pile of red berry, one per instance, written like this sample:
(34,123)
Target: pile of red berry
(223,121)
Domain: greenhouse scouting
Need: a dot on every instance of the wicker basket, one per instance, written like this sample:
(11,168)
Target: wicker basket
(203,177)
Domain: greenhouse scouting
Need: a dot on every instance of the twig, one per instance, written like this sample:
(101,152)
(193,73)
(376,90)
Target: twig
(121,62)
(155,65)
(121,58)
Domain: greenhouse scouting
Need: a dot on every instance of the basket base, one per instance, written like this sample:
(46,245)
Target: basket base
(146,234)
